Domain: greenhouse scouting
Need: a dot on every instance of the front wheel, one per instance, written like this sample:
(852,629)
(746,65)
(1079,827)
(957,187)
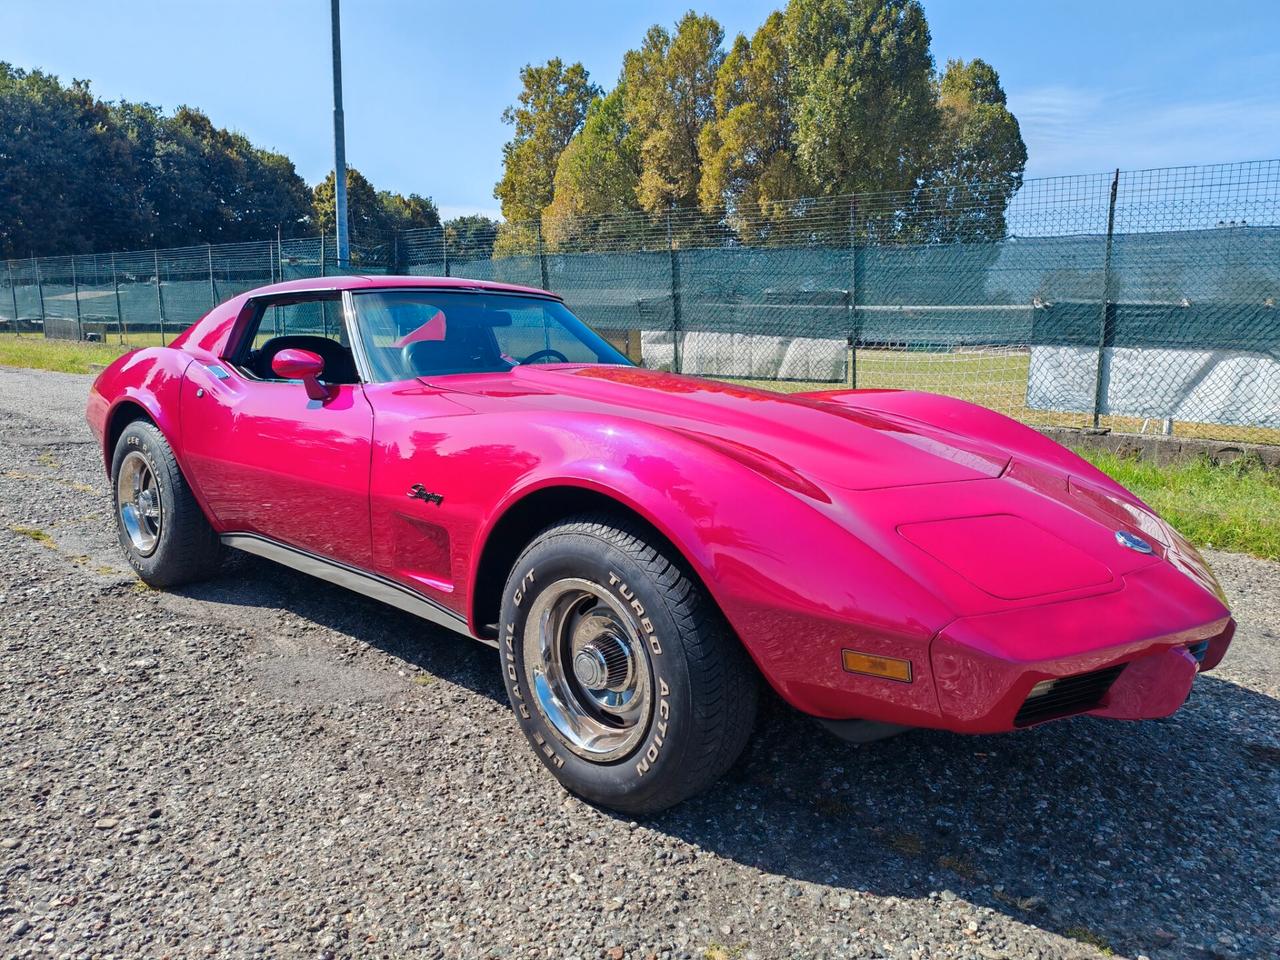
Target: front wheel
(622,673)
(165,536)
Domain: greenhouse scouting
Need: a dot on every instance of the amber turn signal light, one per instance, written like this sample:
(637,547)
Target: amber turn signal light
(890,668)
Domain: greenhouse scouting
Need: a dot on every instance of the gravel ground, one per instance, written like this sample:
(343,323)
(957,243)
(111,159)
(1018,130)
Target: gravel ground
(264,765)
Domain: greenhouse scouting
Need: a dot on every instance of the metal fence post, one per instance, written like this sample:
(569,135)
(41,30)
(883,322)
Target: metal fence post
(159,298)
(851,296)
(13,294)
(542,257)
(213,289)
(39,289)
(322,254)
(677,319)
(75,289)
(122,328)
(1108,308)
(444,246)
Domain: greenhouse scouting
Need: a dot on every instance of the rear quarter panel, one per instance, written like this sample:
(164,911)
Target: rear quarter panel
(149,379)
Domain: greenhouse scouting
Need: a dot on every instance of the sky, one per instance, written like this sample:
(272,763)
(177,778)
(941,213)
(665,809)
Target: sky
(1096,85)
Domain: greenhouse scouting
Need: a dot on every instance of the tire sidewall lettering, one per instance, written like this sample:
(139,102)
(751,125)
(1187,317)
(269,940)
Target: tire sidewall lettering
(137,442)
(522,588)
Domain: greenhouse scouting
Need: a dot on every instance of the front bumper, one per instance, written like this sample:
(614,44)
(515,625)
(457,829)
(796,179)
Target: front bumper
(1130,654)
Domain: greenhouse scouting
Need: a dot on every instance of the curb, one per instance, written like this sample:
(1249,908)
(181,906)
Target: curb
(1160,449)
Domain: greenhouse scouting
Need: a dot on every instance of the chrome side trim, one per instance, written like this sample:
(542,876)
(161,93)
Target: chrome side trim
(358,581)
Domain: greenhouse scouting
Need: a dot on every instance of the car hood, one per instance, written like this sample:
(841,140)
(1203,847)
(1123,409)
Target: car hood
(830,445)
(985,527)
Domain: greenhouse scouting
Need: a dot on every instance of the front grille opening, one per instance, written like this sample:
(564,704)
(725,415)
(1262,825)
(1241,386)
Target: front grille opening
(1060,698)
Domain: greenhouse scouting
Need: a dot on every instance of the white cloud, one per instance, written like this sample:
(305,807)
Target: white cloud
(1078,130)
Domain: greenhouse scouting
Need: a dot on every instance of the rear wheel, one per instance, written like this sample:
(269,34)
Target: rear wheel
(163,531)
(621,672)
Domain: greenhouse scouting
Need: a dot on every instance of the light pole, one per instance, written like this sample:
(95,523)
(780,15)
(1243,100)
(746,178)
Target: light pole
(339,145)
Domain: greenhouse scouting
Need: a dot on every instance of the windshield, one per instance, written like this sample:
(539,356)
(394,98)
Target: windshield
(427,333)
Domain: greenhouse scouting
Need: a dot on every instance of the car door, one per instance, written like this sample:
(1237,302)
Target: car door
(268,460)
(437,469)
(439,364)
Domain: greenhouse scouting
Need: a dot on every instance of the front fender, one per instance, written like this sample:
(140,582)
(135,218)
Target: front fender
(779,559)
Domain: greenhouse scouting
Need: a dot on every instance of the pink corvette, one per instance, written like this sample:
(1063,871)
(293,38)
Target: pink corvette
(644,548)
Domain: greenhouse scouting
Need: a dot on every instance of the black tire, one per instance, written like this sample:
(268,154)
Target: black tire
(703,687)
(185,547)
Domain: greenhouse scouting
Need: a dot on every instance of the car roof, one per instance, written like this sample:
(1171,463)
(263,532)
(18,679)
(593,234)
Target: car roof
(210,333)
(364,282)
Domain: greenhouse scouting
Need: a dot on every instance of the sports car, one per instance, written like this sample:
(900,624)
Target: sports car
(646,550)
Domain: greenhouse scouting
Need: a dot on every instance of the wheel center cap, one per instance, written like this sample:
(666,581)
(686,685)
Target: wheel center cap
(589,667)
(603,663)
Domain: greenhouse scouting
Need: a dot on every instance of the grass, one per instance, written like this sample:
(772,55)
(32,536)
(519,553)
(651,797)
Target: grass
(994,378)
(34,533)
(1227,506)
(1086,936)
(63,356)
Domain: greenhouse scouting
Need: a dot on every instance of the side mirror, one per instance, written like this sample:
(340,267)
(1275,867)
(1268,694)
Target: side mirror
(302,365)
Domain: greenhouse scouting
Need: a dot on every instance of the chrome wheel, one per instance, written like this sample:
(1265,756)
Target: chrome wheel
(587,667)
(138,500)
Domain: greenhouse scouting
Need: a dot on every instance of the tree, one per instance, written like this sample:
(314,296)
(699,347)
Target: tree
(670,83)
(371,214)
(364,212)
(978,157)
(596,176)
(276,196)
(220,187)
(748,158)
(865,109)
(414,212)
(78,174)
(65,173)
(552,106)
(471,237)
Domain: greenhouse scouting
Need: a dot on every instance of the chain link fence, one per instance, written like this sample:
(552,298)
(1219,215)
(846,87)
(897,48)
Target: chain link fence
(1137,301)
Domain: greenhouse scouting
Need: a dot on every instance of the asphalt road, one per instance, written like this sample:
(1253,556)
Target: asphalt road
(265,765)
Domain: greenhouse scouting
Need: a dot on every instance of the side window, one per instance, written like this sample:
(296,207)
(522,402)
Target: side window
(533,332)
(313,324)
(321,318)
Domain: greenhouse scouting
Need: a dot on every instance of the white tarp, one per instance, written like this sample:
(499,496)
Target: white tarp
(747,356)
(1202,386)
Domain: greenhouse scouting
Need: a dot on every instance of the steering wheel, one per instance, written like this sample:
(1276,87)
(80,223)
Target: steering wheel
(539,354)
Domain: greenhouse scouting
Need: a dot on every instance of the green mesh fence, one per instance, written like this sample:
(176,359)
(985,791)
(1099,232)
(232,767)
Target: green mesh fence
(1139,301)
(146,297)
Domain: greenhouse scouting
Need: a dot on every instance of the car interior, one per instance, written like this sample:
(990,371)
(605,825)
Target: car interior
(339,364)
(464,343)
(288,320)
(406,338)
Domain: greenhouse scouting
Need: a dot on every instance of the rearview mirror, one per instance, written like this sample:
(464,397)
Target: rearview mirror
(302,365)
